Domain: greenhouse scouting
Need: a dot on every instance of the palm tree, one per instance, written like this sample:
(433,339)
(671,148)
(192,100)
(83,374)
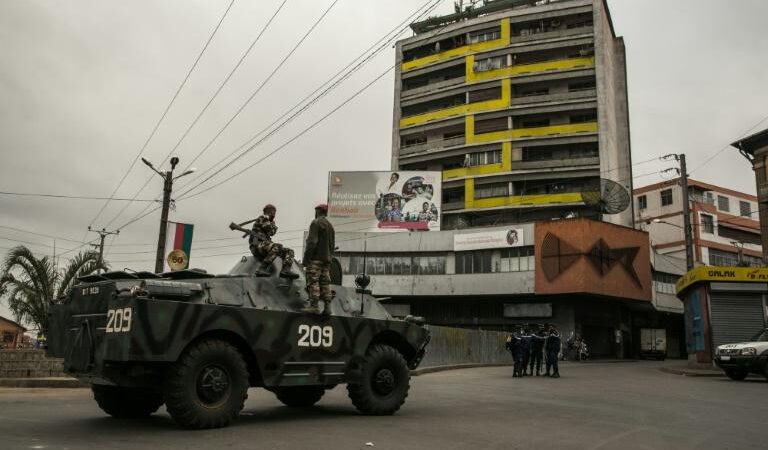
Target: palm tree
(29,284)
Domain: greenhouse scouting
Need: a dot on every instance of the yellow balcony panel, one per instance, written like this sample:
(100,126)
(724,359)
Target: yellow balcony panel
(554,130)
(464,50)
(547,66)
(487,105)
(525,200)
(524,69)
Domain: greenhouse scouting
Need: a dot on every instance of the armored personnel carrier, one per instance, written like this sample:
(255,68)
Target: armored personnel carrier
(196,342)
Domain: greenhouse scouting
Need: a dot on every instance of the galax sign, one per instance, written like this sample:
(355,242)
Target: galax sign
(742,274)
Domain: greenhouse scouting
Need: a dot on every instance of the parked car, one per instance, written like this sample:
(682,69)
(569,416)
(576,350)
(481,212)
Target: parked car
(739,360)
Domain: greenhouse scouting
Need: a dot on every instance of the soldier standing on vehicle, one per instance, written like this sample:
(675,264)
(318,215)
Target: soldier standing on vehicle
(537,346)
(318,251)
(261,245)
(552,347)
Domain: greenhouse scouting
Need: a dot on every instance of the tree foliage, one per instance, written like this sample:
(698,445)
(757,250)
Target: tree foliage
(29,284)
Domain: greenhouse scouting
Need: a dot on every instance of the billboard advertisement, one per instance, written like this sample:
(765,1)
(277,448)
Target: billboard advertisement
(385,201)
(512,237)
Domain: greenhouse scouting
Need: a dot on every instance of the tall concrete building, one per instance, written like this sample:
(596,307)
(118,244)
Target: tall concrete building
(521,104)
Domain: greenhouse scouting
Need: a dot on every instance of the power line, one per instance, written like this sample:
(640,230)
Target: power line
(221,86)
(325,85)
(728,146)
(309,104)
(73,197)
(290,141)
(165,112)
(143,213)
(58,238)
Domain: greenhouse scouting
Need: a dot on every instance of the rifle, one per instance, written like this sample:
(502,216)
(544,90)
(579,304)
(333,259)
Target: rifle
(239,227)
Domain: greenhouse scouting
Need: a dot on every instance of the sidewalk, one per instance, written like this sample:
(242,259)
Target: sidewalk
(52,382)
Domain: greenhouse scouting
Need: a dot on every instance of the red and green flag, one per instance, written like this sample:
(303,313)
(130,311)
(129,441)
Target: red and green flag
(178,245)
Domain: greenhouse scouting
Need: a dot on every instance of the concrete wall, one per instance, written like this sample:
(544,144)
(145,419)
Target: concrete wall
(29,364)
(613,108)
(460,346)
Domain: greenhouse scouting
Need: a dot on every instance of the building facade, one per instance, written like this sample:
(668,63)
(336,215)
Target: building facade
(590,278)
(724,222)
(523,107)
(11,334)
(755,149)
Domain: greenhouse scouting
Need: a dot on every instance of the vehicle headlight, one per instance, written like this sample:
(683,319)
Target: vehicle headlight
(748,351)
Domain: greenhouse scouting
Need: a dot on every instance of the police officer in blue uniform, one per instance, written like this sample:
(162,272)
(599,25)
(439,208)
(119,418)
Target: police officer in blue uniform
(552,347)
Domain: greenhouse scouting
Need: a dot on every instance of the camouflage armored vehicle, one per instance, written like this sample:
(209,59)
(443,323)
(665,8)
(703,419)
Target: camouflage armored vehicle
(196,342)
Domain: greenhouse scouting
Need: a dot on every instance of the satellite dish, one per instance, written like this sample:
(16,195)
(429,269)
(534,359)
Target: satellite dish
(609,197)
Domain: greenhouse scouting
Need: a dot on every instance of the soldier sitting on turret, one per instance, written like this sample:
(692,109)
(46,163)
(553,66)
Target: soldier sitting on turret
(261,245)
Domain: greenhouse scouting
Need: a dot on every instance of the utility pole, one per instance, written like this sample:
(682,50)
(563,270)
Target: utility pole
(168,180)
(687,230)
(103,233)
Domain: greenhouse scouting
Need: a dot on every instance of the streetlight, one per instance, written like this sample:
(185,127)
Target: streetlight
(168,179)
(688,242)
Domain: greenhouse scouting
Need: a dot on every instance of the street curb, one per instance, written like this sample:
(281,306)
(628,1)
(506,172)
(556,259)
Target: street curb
(432,369)
(691,373)
(64,383)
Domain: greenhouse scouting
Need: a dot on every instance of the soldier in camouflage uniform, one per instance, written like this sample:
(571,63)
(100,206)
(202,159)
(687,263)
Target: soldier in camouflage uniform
(318,252)
(261,245)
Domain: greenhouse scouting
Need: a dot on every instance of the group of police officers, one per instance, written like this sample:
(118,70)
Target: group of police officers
(528,346)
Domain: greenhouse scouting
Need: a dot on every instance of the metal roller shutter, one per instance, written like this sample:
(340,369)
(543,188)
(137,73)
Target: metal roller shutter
(735,317)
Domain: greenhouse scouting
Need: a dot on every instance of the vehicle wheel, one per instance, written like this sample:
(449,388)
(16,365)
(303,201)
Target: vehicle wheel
(384,383)
(207,386)
(736,375)
(299,396)
(126,403)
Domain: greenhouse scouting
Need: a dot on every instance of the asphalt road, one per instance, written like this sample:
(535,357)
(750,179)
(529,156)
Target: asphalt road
(622,405)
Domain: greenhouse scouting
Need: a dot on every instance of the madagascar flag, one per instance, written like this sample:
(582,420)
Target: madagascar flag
(178,245)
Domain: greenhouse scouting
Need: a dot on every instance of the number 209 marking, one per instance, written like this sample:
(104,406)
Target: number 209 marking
(119,320)
(315,336)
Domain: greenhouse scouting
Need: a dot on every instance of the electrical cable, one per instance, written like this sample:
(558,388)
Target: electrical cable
(165,112)
(73,197)
(707,161)
(325,86)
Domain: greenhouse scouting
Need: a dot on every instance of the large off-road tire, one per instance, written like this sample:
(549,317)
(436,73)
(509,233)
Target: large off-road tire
(384,383)
(207,386)
(126,403)
(299,396)
(736,375)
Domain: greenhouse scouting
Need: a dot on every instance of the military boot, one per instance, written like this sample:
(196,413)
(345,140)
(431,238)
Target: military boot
(286,272)
(311,308)
(264,270)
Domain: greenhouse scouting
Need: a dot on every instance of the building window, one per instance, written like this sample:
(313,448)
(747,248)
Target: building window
(414,140)
(485,35)
(666,197)
(721,258)
(478,261)
(484,65)
(8,337)
(664,282)
(707,224)
(642,202)
(583,118)
(581,86)
(483,158)
(492,190)
(517,259)
(393,264)
(723,203)
(745,209)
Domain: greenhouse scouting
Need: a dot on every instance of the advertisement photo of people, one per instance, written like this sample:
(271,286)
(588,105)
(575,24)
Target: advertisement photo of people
(406,200)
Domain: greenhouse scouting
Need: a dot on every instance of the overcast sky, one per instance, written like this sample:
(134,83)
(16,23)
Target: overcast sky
(82,83)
